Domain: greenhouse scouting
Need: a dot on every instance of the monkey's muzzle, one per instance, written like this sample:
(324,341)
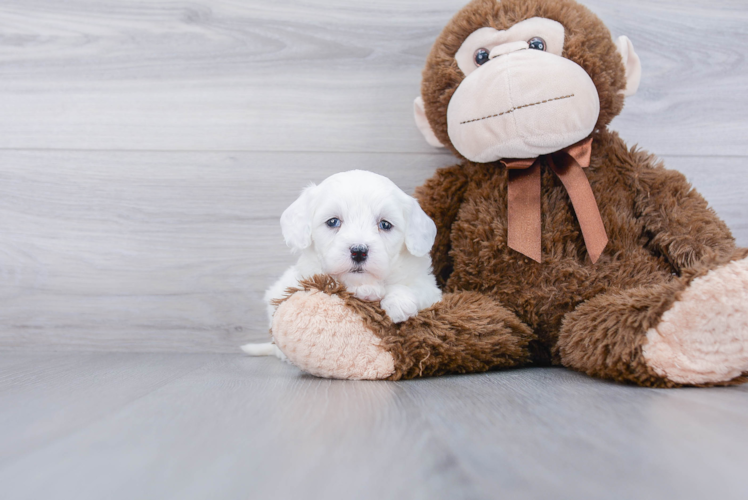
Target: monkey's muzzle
(522,105)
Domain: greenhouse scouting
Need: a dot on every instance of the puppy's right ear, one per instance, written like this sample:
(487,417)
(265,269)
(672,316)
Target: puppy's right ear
(296,221)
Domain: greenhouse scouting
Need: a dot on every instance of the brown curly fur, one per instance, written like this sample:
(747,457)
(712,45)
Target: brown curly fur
(662,236)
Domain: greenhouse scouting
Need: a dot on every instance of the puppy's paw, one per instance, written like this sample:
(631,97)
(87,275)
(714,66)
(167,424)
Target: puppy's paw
(369,293)
(399,305)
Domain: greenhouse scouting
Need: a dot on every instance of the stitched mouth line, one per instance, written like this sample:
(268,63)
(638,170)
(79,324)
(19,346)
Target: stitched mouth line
(516,108)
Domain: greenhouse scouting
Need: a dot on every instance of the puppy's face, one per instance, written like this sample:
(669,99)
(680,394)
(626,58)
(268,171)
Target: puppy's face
(357,234)
(358,224)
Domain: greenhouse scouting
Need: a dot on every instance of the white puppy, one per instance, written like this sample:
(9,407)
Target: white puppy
(365,232)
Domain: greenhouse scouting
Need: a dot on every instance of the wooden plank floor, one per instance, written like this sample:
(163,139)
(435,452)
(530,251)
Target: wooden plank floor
(127,425)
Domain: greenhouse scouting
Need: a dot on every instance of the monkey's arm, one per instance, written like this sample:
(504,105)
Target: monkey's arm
(441,197)
(677,219)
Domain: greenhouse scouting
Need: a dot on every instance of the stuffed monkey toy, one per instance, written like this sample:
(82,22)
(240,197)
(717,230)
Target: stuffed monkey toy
(557,244)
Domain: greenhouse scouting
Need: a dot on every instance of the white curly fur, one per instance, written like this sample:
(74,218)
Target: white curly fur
(397,268)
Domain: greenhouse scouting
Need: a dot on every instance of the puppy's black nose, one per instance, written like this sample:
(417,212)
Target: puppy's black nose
(359,253)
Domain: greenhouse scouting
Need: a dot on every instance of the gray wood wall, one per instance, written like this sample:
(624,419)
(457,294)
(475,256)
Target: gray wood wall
(147,148)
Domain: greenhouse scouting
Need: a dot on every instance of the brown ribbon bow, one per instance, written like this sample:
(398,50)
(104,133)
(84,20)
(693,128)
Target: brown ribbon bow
(523,193)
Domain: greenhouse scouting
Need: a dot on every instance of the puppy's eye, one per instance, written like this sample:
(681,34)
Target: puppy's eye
(480,57)
(334,222)
(385,225)
(536,43)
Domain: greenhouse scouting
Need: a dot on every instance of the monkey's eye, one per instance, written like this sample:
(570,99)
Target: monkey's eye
(536,43)
(385,225)
(480,57)
(334,222)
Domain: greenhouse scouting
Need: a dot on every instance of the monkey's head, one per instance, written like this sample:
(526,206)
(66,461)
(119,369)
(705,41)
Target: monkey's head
(522,78)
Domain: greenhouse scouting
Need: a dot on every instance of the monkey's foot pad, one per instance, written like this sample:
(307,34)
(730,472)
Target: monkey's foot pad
(321,335)
(703,338)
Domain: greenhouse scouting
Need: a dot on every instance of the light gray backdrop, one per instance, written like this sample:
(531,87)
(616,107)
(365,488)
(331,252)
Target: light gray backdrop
(147,148)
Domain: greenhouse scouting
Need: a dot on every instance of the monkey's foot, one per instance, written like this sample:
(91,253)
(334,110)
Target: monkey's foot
(324,336)
(703,337)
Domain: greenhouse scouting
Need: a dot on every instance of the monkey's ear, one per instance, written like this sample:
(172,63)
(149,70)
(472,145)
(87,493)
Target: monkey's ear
(296,221)
(632,63)
(421,231)
(423,123)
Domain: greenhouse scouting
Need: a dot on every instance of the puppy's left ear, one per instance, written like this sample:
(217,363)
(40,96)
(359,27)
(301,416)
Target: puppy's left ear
(421,231)
(296,221)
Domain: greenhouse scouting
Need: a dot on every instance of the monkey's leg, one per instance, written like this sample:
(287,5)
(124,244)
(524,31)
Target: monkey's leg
(689,331)
(327,332)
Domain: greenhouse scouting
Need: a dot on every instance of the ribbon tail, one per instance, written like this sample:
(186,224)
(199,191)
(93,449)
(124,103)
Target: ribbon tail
(523,211)
(583,200)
